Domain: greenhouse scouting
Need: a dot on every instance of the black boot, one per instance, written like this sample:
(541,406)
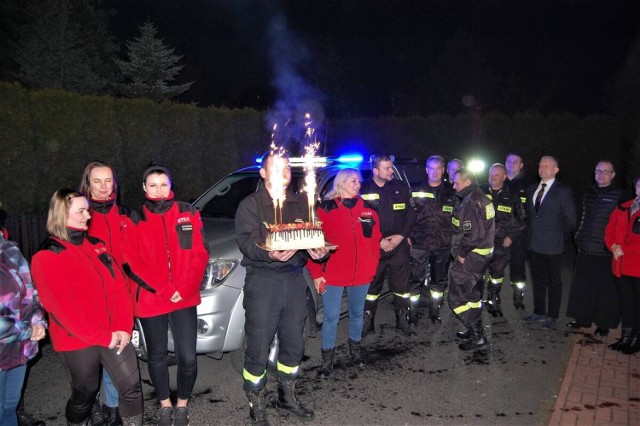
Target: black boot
(112,415)
(463,334)
(258,407)
(633,346)
(414,306)
(402,321)
(369,318)
(434,309)
(518,296)
(327,363)
(354,354)
(476,340)
(97,415)
(493,299)
(625,338)
(288,403)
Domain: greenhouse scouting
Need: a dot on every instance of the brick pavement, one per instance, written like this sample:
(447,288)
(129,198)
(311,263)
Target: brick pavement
(600,386)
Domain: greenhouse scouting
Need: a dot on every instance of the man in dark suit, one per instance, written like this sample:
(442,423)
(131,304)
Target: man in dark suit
(551,214)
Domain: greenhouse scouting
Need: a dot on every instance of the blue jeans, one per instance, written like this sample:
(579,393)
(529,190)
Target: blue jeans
(110,391)
(10,389)
(331,301)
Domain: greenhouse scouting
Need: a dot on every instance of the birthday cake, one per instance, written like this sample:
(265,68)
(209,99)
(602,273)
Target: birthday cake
(294,236)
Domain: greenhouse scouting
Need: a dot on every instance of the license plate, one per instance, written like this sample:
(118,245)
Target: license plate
(135,339)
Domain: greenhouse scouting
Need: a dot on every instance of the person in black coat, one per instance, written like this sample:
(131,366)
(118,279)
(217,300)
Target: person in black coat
(551,215)
(593,297)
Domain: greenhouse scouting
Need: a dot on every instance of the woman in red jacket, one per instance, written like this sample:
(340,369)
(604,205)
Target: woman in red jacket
(166,258)
(90,309)
(355,229)
(108,219)
(622,237)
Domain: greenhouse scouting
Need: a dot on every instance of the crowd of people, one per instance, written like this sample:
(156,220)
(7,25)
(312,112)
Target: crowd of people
(449,237)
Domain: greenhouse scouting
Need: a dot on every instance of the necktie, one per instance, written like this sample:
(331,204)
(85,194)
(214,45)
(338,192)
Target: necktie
(536,205)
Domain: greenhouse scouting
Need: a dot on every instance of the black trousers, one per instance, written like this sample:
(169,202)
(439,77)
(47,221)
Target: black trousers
(274,303)
(83,367)
(593,297)
(430,266)
(547,283)
(499,261)
(629,288)
(465,290)
(398,265)
(518,260)
(183,324)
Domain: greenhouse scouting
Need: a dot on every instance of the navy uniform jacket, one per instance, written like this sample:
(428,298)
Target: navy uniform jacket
(393,204)
(509,212)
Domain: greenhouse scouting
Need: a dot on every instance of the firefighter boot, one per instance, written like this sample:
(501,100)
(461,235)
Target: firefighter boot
(476,340)
(414,305)
(258,407)
(633,346)
(327,363)
(369,317)
(288,403)
(402,321)
(518,296)
(354,354)
(493,299)
(434,309)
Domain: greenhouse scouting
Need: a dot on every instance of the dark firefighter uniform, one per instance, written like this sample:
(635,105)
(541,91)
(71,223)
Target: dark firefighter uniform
(431,244)
(274,292)
(509,223)
(517,269)
(474,233)
(393,204)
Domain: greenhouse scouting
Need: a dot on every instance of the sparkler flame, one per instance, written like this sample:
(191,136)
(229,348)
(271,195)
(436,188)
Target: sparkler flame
(310,149)
(276,178)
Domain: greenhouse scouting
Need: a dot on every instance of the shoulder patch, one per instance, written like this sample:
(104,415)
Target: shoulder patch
(490,211)
(52,245)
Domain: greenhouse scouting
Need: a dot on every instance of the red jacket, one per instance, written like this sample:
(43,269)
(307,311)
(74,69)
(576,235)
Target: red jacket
(619,231)
(164,252)
(356,232)
(83,291)
(108,219)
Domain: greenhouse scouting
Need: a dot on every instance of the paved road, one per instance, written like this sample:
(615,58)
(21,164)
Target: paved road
(424,379)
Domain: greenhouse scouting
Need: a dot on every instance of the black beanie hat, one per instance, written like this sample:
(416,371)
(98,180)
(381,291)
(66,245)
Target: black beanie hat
(156,168)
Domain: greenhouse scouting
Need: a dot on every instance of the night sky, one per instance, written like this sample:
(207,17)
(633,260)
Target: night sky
(375,56)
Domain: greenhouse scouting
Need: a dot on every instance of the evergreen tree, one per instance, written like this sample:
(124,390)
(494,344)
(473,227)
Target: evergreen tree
(150,68)
(65,45)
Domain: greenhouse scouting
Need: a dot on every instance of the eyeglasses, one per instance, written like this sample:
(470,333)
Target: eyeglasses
(603,172)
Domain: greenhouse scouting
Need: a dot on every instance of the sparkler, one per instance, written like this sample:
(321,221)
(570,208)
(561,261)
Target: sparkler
(276,179)
(309,166)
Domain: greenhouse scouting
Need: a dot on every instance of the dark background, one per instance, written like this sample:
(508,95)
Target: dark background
(375,57)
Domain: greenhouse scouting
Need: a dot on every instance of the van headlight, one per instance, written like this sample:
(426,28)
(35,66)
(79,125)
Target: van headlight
(217,271)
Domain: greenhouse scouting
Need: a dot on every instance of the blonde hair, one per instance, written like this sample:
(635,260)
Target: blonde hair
(59,212)
(339,181)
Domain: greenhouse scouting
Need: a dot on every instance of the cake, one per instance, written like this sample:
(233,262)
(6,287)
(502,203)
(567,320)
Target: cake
(294,236)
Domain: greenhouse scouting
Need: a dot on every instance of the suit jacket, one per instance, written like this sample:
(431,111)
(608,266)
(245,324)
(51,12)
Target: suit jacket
(552,224)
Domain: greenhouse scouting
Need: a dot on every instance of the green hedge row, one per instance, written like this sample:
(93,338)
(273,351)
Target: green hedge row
(48,136)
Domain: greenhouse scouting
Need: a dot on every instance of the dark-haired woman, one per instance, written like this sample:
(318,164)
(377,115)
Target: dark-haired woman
(108,219)
(622,237)
(166,258)
(90,310)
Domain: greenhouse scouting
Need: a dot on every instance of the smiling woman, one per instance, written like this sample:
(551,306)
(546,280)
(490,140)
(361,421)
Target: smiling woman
(85,294)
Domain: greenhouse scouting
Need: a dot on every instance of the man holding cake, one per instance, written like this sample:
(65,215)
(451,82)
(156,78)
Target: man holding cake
(391,198)
(274,290)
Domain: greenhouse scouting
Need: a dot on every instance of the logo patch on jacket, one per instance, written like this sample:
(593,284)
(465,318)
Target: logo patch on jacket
(466,225)
(399,206)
